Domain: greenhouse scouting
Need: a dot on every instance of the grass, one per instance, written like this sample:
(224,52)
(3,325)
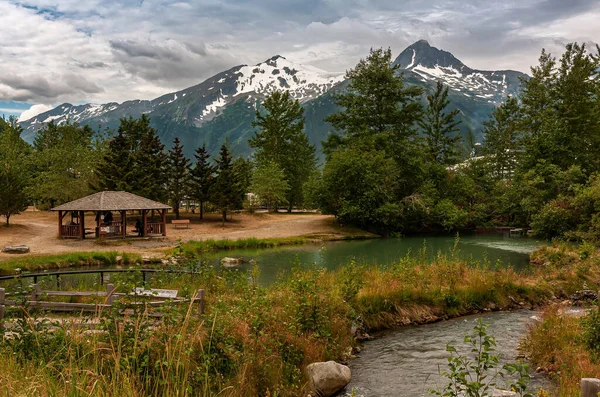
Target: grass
(47,262)
(555,345)
(257,340)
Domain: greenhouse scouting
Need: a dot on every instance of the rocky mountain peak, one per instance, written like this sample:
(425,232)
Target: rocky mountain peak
(422,53)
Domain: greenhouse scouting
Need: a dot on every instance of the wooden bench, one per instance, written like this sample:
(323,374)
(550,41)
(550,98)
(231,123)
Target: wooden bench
(185,222)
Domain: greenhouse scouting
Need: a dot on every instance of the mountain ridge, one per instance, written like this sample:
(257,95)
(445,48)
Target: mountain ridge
(222,107)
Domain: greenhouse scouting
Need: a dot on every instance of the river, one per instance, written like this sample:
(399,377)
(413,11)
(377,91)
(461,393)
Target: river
(406,361)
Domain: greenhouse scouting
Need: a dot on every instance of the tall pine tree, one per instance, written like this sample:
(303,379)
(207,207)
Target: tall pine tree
(440,127)
(202,178)
(178,174)
(225,193)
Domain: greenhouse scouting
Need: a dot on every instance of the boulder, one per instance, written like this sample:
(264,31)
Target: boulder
(590,387)
(231,262)
(584,295)
(327,378)
(503,393)
(16,249)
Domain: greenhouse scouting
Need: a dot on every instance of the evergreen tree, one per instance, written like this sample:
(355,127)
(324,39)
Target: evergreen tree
(440,127)
(269,184)
(14,169)
(375,165)
(65,160)
(282,140)
(135,161)
(242,169)
(178,173)
(225,193)
(560,110)
(503,138)
(150,165)
(379,111)
(202,178)
(117,165)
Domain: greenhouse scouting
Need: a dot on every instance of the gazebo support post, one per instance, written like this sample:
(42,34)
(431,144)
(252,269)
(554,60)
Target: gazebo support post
(124,224)
(164,222)
(82,224)
(60,218)
(97,224)
(144,222)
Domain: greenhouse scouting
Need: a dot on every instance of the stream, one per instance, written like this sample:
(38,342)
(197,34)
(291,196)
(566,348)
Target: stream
(406,361)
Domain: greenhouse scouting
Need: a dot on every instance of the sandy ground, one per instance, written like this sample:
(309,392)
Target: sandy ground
(38,230)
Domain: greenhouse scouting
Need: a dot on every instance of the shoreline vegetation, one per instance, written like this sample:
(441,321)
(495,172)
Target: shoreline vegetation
(257,340)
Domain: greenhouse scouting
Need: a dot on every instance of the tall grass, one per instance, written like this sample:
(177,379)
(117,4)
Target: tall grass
(46,262)
(257,340)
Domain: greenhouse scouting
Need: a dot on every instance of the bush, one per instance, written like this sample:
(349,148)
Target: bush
(553,220)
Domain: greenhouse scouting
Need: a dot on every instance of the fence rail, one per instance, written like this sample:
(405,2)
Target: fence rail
(33,301)
(101,272)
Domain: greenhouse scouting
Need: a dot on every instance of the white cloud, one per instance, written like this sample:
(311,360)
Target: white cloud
(34,111)
(55,51)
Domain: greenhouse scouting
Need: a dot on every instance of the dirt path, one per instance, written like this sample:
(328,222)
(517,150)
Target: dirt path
(38,230)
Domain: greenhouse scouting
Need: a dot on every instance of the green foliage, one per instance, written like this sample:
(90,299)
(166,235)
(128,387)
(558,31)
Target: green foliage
(178,174)
(226,193)
(281,139)
(65,158)
(440,127)
(202,178)
(503,138)
(476,374)
(135,161)
(591,332)
(15,170)
(269,184)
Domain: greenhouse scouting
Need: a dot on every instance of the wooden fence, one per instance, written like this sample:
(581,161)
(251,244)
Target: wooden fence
(34,300)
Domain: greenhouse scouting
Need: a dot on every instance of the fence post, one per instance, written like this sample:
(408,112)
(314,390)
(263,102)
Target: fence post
(590,387)
(2,307)
(110,289)
(36,291)
(200,297)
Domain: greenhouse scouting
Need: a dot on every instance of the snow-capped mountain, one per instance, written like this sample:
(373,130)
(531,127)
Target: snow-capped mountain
(429,64)
(222,107)
(205,101)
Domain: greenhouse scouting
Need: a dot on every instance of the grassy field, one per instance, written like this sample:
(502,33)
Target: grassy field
(257,341)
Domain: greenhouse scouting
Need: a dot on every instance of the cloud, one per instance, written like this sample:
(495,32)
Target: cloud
(110,50)
(34,111)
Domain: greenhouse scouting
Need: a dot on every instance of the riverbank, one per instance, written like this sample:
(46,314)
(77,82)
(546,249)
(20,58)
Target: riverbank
(257,340)
(37,229)
(566,347)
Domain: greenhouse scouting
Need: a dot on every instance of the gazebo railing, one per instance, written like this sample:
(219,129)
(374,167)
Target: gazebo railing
(115,229)
(154,228)
(70,231)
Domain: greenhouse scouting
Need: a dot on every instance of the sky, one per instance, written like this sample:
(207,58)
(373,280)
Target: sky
(98,51)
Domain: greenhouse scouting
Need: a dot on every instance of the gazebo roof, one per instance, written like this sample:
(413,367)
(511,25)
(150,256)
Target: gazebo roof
(111,201)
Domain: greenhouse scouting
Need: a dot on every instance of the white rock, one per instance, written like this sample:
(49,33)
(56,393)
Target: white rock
(327,378)
(16,249)
(503,393)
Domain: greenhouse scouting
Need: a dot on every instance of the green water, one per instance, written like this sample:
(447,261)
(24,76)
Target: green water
(513,251)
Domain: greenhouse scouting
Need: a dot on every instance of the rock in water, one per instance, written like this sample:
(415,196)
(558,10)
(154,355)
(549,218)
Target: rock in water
(231,262)
(327,378)
(16,249)
(503,393)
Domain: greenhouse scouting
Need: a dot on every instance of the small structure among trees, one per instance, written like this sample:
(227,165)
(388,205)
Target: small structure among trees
(103,205)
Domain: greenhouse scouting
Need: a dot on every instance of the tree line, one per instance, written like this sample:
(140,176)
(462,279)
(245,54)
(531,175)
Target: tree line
(395,161)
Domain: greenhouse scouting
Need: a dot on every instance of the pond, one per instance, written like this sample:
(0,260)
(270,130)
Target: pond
(494,249)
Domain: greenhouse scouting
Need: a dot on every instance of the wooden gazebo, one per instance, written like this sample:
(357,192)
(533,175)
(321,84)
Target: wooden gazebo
(103,205)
